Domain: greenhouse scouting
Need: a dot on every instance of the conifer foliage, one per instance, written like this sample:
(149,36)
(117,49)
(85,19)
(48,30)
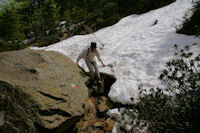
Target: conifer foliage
(38,22)
(192,24)
(176,108)
(11,26)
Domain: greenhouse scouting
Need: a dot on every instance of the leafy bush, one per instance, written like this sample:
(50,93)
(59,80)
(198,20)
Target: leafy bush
(8,46)
(176,108)
(47,40)
(191,26)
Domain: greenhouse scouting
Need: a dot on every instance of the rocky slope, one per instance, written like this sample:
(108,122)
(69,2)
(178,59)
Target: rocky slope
(50,90)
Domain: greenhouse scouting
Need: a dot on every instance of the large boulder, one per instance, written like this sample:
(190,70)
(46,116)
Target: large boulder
(18,113)
(51,80)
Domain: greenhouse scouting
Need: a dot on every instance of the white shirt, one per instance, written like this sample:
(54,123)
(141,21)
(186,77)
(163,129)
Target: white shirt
(85,54)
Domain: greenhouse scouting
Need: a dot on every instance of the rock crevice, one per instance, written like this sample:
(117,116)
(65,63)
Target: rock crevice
(53,112)
(95,107)
(51,95)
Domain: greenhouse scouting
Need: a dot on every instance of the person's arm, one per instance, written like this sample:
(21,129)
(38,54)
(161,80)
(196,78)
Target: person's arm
(82,55)
(99,58)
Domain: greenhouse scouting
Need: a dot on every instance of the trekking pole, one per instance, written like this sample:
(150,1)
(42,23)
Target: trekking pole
(74,40)
(92,32)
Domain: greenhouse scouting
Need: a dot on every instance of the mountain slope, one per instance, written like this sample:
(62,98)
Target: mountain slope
(138,47)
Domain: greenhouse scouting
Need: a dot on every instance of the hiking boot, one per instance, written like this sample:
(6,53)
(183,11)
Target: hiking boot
(99,81)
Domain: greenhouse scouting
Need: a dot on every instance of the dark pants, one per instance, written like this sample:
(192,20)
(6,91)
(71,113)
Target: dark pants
(92,65)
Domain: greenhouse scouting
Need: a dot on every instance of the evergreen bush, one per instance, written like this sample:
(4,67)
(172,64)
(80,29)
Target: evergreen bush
(191,25)
(176,108)
(38,20)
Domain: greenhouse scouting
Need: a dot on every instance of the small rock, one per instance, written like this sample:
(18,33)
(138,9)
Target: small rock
(104,104)
(99,123)
(155,22)
(110,126)
(115,114)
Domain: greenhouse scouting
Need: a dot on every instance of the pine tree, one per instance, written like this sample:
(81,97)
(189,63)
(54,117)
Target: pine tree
(11,27)
(52,15)
(38,27)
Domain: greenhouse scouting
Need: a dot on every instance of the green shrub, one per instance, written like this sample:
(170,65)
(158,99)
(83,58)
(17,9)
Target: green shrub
(98,14)
(11,26)
(176,108)
(47,40)
(6,46)
(191,26)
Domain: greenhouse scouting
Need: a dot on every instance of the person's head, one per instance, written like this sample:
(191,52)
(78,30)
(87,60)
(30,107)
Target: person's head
(93,45)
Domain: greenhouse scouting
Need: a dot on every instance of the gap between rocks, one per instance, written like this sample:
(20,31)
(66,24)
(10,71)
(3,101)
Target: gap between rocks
(94,119)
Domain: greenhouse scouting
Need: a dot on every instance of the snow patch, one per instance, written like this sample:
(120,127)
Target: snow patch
(136,46)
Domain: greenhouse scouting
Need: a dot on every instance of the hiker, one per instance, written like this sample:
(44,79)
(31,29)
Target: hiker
(88,55)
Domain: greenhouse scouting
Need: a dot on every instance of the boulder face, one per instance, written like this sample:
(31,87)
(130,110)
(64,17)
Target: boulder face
(17,111)
(50,79)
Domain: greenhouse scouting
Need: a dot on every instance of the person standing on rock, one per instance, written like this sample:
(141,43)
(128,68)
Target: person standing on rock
(88,55)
